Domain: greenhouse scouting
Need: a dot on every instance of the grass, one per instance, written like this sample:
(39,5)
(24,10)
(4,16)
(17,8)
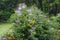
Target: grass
(4,28)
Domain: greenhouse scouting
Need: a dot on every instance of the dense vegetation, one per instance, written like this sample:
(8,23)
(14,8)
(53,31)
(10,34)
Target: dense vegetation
(36,26)
(7,7)
(39,20)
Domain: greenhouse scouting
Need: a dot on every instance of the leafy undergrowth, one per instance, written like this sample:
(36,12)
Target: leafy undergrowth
(4,28)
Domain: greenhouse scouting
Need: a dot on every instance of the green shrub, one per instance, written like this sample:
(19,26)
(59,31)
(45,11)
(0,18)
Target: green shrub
(35,26)
(12,18)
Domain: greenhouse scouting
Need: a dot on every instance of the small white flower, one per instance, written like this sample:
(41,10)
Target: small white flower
(40,22)
(51,28)
(41,15)
(19,8)
(23,5)
(33,28)
(18,12)
(48,20)
(30,13)
(13,23)
(29,10)
(17,21)
(29,20)
(46,16)
(11,31)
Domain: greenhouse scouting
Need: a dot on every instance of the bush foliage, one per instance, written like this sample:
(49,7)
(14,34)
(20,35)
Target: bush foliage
(36,26)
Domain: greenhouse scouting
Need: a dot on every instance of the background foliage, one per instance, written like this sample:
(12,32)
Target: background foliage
(8,6)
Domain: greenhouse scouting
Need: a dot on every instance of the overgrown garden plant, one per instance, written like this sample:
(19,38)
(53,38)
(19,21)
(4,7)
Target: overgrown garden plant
(35,26)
